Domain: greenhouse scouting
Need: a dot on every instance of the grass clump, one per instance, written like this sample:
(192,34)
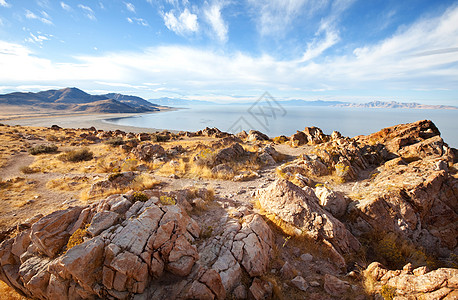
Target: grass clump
(77,155)
(167,200)
(117,141)
(42,149)
(29,170)
(77,237)
(139,196)
(280,139)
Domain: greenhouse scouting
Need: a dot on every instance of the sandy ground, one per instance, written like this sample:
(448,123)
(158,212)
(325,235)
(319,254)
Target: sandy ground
(77,121)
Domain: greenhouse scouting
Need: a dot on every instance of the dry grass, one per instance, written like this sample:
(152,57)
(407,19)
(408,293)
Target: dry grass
(9,293)
(141,182)
(68,184)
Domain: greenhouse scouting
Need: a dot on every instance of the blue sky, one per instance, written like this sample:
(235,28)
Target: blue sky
(226,51)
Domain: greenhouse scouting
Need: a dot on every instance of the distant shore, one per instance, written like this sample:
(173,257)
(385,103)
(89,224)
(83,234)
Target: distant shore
(79,121)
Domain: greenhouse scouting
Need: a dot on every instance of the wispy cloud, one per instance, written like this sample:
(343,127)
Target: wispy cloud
(130,6)
(88,11)
(213,16)
(184,23)
(275,16)
(4,3)
(139,21)
(65,6)
(45,19)
(38,38)
(420,56)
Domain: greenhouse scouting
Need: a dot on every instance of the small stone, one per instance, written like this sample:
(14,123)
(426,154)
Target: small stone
(240,292)
(300,283)
(307,257)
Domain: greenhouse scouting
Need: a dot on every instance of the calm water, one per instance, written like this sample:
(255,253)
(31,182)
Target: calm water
(349,121)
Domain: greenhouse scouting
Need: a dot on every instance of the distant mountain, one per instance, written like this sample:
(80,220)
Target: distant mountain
(76,100)
(394,104)
(298,102)
(180,102)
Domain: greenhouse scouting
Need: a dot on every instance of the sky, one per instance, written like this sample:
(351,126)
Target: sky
(234,51)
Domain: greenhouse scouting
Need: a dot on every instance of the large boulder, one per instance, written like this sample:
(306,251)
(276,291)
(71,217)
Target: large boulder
(301,209)
(148,152)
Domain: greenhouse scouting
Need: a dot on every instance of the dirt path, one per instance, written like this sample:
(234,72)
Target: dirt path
(14,164)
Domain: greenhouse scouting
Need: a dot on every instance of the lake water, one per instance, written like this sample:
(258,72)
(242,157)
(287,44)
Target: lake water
(286,120)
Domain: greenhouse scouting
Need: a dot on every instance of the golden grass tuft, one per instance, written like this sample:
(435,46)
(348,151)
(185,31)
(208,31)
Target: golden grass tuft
(77,237)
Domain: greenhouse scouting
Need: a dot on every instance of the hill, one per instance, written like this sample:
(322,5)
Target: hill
(76,100)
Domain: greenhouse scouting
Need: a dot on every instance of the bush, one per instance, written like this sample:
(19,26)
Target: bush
(139,196)
(44,148)
(117,141)
(29,170)
(159,138)
(77,155)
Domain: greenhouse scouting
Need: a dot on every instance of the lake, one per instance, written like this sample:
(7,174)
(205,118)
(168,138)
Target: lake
(275,121)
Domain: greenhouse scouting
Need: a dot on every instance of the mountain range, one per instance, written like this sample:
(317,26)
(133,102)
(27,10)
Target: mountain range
(76,100)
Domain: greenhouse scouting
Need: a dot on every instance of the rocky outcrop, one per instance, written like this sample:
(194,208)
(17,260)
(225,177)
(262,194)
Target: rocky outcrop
(140,250)
(301,209)
(148,152)
(232,153)
(254,135)
(412,283)
(310,135)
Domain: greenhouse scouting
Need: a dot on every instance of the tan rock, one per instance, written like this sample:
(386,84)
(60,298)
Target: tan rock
(51,232)
(301,209)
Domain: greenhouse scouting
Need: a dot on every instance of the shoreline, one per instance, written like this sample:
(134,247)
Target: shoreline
(97,120)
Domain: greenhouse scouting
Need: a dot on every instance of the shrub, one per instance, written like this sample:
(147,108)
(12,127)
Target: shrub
(280,139)
(117,141)
(139,196)
(77,155)
(159,138)
(44,148)
(29,170)
(77,237)
(167,200)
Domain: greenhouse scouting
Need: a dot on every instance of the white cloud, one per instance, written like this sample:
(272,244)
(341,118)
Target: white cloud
(31,15)
(130,6)
(89,12)
(139,21)
(37,38)
(421,56)
(186,22)
(213,16)
(65,6)
(4,3)
(319,45)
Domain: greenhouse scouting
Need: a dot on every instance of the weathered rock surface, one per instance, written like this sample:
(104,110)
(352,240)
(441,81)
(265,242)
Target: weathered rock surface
(141,250)
(414,284)
(148,152)
(301,209)
(332,201)
(246,246)
(254,135)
